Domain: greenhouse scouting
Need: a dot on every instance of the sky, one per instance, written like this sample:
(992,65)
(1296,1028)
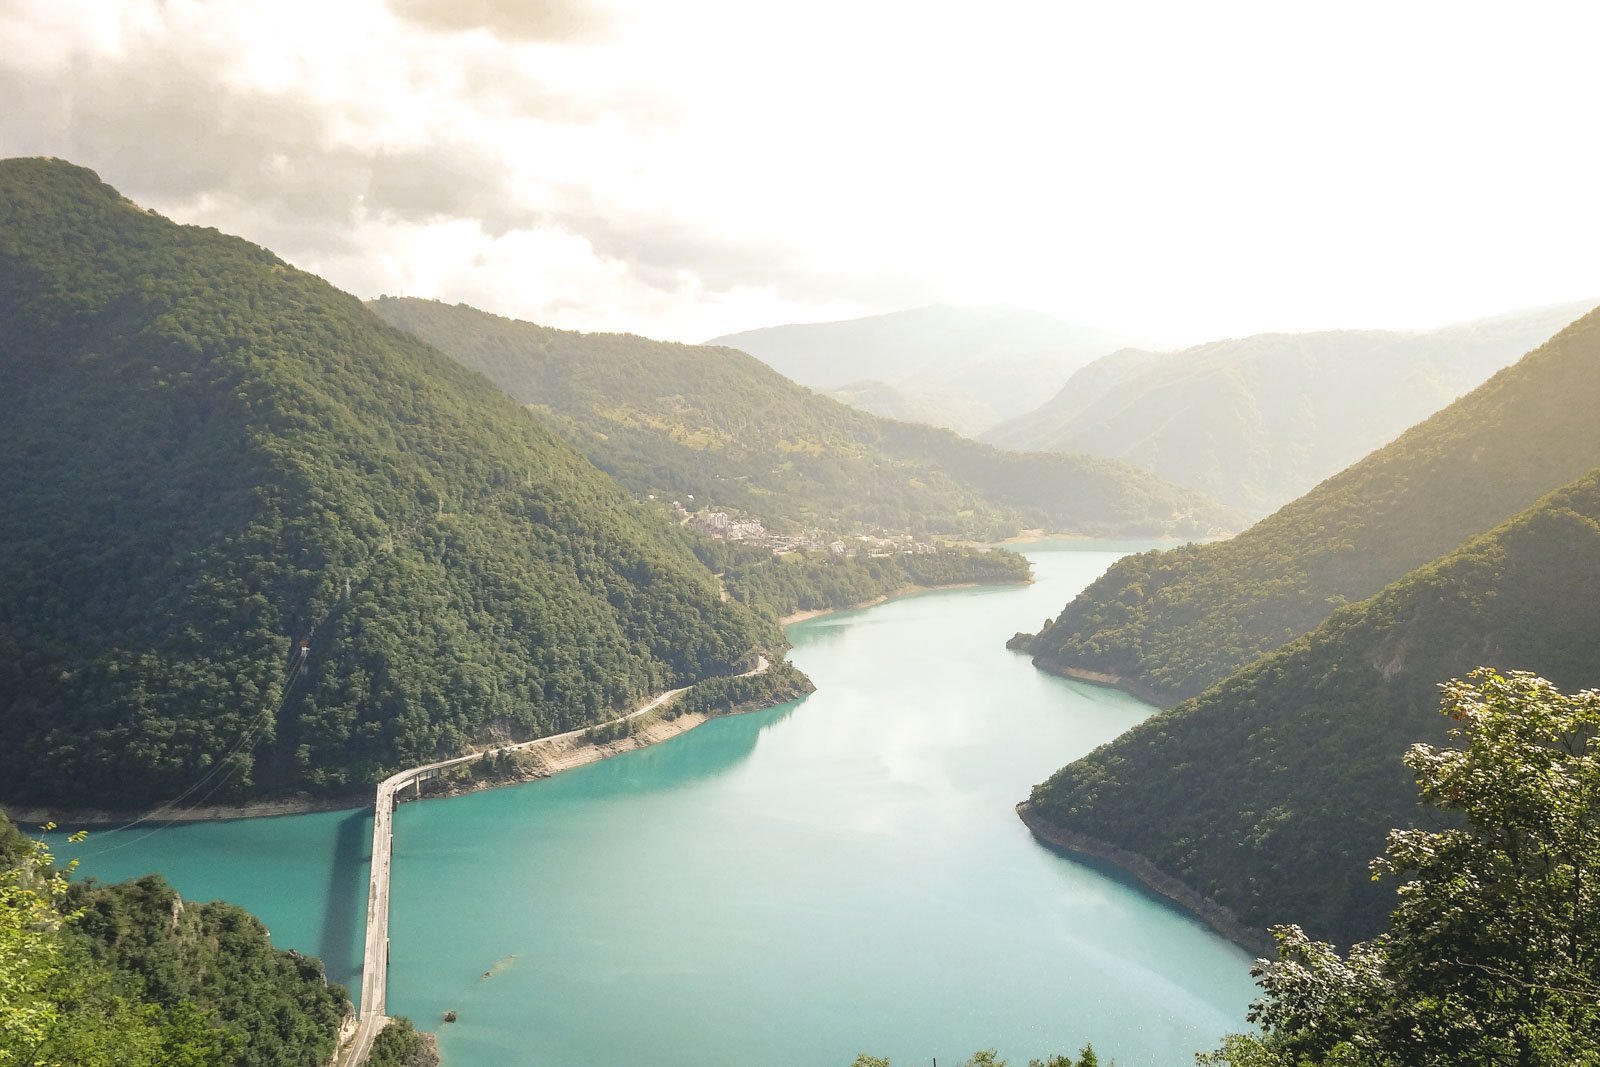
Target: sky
(1176,170)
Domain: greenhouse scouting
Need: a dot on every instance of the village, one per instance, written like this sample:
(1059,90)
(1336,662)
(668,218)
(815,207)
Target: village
(750,531)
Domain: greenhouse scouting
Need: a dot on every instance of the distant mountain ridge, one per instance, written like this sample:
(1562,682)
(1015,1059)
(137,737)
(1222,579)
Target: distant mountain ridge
(214,457)
(961,368)
(1257,421)
(1180,621)
(672,419)
(945,406)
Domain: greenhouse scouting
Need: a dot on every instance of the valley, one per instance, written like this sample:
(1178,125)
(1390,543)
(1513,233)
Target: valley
(593,532)
(847,848)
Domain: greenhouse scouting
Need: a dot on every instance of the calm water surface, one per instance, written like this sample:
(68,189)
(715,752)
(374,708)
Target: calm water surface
(840,874)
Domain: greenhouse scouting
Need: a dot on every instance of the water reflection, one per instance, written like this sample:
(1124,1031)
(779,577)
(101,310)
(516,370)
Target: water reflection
(344,912)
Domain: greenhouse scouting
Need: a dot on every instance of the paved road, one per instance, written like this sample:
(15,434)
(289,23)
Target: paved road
(375,963)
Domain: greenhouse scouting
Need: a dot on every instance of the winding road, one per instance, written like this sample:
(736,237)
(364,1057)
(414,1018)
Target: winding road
(375,963)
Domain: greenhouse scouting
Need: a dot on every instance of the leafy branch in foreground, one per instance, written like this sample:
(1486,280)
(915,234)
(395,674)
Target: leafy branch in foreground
(1493,951)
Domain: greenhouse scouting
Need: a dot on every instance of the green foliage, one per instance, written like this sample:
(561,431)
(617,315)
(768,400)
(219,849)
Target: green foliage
(212,455)
(1183,620)
(676,420)
(779,683)
(130,976)
(216,957)
(32,965)
(1493,953)
(1269,792)
(819,581)
(606,732)
(399,1045)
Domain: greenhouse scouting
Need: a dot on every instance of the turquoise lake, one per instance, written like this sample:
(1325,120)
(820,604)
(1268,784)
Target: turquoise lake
(841,874)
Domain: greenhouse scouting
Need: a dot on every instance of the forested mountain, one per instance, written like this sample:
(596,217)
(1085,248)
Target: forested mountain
(678,420)
(131,975)
(1180,621)
(1270,792)
(213,456)
(976,366)
(1257,421)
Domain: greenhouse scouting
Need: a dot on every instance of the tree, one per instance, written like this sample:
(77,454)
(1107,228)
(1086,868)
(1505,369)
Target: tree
(1493,951)
(31,964)
(56,1006)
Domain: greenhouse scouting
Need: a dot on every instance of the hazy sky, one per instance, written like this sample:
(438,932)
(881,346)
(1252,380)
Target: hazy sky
(684,168)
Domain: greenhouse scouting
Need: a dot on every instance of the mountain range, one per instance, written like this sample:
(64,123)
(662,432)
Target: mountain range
(1310,649)
(1178,622)
(1257,421)
(713,423)
(962,368)
(1270,792)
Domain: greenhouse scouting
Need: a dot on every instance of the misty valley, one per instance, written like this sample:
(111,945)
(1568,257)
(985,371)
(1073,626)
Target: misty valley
(598,533)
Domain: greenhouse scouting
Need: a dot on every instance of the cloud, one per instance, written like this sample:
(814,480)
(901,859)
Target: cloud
(157,121)
(515,20)
(661,251)
(651,167)
(210,119)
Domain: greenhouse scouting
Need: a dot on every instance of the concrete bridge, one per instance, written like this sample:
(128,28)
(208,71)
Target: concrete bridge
(375,962)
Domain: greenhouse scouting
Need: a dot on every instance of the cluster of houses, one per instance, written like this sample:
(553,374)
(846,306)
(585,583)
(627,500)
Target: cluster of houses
(721,525)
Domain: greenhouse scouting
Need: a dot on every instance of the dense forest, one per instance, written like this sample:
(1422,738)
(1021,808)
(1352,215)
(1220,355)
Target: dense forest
(1257,421)
(131,975)
(713,423)
(1492,947)
(1270,792)
(1182,620)
(780,683)
(214,456)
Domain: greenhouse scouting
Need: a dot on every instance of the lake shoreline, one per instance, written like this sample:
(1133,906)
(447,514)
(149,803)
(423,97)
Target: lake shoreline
(1133,687)
(100,818)
(550,756)
(560,755)
(1137,867)
(305,804)
(895,594)
(557,754)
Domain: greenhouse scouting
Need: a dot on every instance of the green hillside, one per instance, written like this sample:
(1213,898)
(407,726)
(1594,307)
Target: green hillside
(131,975)
(1180,621)
(1257,421)
(213,456)
(1270,792)
(679,420)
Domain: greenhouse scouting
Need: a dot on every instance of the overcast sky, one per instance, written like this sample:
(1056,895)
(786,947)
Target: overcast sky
(681,169)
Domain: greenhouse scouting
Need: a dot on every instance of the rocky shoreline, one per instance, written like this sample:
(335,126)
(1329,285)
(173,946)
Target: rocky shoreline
(538,759)
(1214,915)
(546,760)
(93,818)
(904,590)
(1133,687)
